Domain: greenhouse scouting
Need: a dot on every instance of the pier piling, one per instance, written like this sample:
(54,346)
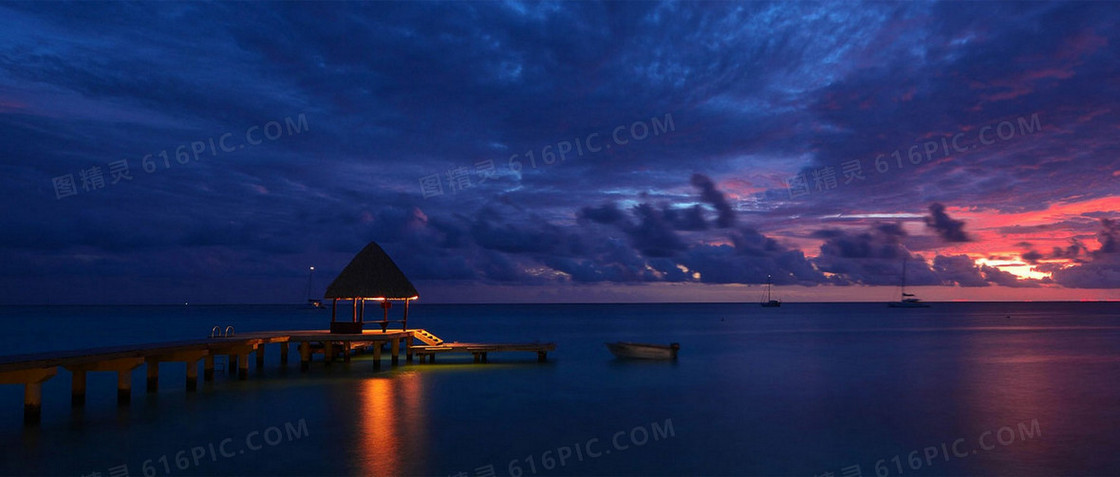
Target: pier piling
(32,380)
(153,375)
(78,389)
(284,354)
(124,387)
(394,351)
(32,403)
(192,375)
(260,356)
(243,366)
(304,355)
(208,368)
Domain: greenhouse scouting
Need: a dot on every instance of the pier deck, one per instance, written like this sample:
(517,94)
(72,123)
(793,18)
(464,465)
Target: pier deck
(32,370)
(480,350)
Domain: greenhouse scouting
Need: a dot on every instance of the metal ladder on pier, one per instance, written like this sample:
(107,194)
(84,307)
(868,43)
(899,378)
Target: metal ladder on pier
(217,332)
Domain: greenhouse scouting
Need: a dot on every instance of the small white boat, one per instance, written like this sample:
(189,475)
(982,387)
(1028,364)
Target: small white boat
(626,350)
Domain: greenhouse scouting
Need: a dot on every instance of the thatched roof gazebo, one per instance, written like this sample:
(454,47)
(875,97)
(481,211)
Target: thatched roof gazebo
(371,275)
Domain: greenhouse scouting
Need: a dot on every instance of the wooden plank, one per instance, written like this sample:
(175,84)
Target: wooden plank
(92,355)
(216,345)
(118,357)
(115,364)
(32,375)
(184,356)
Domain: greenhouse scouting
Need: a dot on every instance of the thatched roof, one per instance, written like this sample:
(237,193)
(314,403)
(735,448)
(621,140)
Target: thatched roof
(371,274)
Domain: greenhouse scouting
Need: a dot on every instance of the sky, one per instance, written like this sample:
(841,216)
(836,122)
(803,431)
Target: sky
(195,152)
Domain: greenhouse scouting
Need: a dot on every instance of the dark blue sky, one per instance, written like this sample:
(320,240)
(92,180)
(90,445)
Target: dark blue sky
(705,146)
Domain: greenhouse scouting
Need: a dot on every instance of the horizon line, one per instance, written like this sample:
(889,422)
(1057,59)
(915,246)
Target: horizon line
(418,303)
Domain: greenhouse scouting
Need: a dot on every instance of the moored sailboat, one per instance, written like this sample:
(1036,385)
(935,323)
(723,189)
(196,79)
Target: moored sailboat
(313,302)
(907,300)
(770,302)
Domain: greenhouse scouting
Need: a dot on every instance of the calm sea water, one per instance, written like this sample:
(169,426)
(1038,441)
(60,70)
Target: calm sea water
(851,389)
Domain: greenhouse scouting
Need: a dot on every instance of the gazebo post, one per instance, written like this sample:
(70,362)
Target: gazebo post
(334,309)
(354,318)
(404,323)
(362,313)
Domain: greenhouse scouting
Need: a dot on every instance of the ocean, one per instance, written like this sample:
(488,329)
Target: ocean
(845,390)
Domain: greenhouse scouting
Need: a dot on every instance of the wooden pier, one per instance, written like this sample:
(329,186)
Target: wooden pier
(32,370)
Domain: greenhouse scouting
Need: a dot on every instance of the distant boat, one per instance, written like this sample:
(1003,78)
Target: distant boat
(770,302)
(643,351)
(907,300)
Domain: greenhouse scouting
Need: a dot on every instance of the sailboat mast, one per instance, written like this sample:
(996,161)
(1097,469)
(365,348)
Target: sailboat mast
(769,282)
(904,276)
(310,274)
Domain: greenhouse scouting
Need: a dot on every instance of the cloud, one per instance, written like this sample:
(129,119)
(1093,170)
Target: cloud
(751,259)
(604,214)
(949,229)
(1109,237)
(711,195)
(1033,256)
(872,257)
(690,218)
(1006,279)
(653,236)
(1102,270)
(491,231)
(1072,252)
(612,261)
(958,270)
(788,88)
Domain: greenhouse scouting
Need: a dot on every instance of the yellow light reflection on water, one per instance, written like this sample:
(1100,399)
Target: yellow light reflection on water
(391,425)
